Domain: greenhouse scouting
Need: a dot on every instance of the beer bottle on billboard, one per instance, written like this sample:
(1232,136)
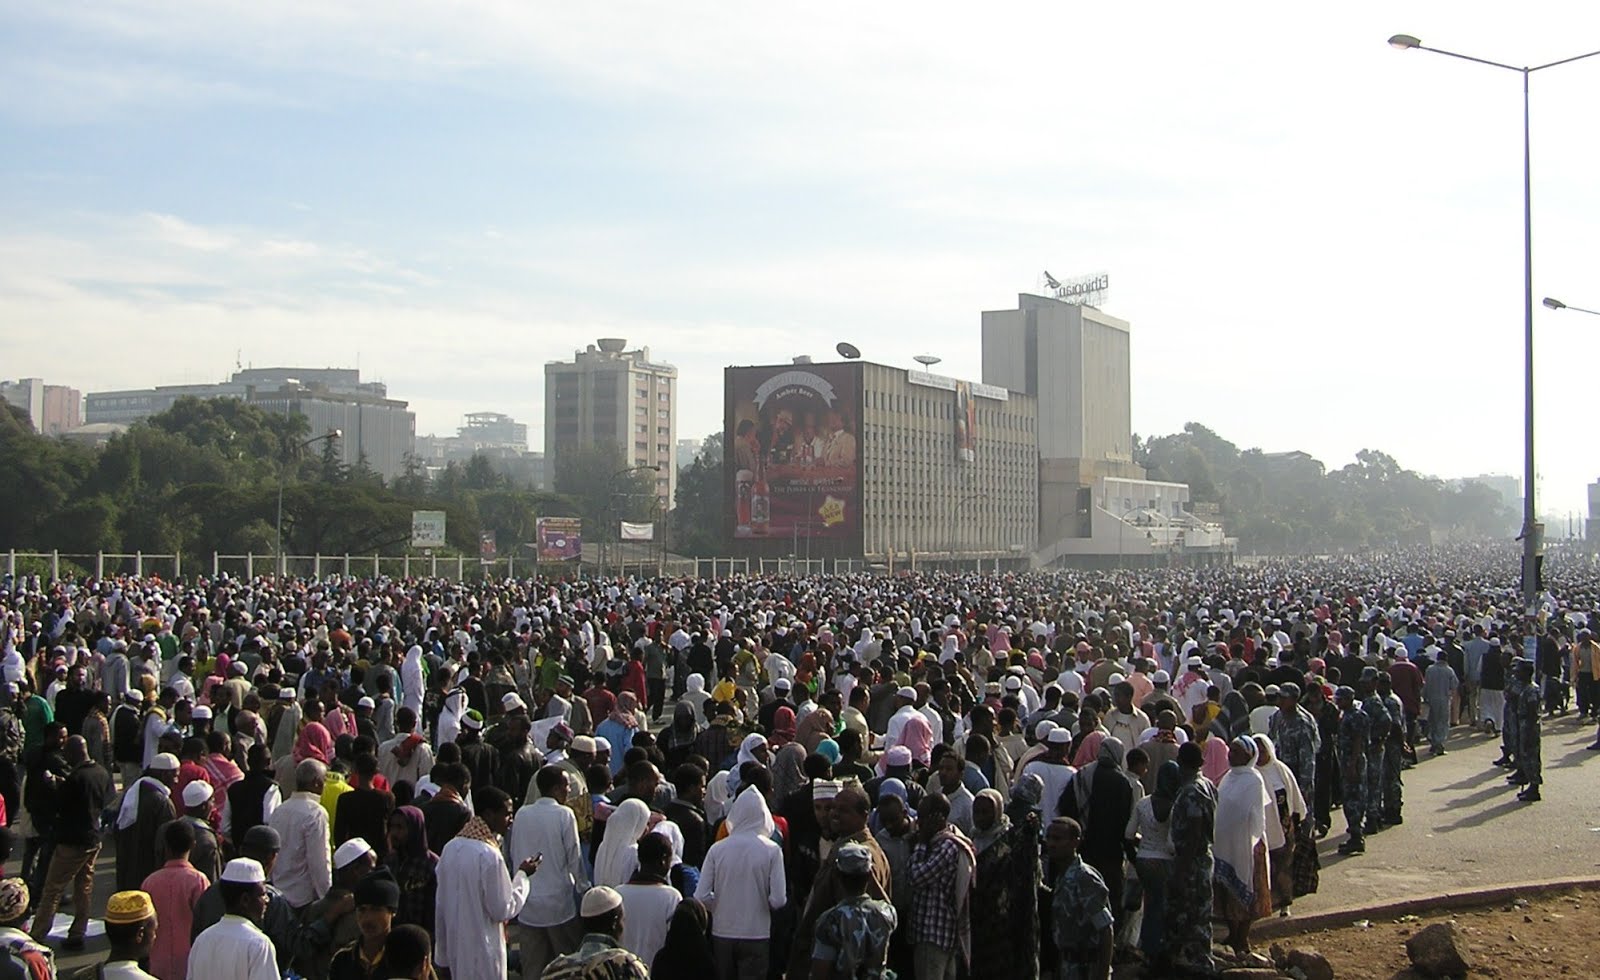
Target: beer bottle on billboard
(760,502)
(742,481)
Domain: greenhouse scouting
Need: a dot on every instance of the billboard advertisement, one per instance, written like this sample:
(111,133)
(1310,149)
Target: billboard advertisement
(560,538)
(637,532)
(966,423)
(427,529)
(794,459)
(486,546)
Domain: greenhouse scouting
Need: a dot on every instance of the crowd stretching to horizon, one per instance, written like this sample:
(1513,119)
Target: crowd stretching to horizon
(930,776)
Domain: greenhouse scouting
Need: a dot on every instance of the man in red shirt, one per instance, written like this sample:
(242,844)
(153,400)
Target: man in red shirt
(1407,682)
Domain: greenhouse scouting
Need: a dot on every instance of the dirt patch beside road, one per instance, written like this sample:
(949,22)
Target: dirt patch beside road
(1549,936)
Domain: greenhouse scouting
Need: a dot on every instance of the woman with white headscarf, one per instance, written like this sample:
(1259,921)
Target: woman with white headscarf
(618,856)
(1286,811)
(696,697)
(1243,871)
(724,786)
(413,680)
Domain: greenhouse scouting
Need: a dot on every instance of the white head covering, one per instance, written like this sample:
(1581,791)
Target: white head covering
(618,856)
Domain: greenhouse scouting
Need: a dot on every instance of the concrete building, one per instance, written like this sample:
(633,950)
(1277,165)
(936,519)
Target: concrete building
(1076,361)
(53,409)
(497,437)
(689,451)
(1591,523)
(374,425)
(1508,487)
(608,395)
(867,461)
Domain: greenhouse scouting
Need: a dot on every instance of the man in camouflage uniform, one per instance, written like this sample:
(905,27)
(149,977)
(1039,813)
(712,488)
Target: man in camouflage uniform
(1354,732)
(1394,754)
(1081,907)
(852,937)
(1294,733)
(1530,762)
(1380,721)
(1193,832)
(1510,729)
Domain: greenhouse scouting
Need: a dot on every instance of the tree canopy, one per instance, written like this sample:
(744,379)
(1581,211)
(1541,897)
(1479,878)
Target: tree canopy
(1290,502)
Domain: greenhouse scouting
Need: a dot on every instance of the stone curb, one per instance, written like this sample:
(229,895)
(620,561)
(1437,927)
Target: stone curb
(1277,928)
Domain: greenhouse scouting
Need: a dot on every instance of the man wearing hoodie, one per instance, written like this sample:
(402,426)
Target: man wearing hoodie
(742,883)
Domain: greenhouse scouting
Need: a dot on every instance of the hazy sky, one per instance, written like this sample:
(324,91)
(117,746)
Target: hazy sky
(1317,238)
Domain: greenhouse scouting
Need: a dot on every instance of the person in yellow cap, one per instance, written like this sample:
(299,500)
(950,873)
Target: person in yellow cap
(131,930)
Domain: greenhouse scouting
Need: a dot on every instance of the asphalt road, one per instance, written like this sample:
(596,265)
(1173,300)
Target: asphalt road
(1465,828)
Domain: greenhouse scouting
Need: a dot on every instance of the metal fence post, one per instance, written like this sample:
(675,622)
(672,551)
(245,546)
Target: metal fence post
(376,569)
(461,568)
(250,565)
(433,566)
(55,566)
(347,565)
(405,567)
(177,566)
(11,563)
(99,564)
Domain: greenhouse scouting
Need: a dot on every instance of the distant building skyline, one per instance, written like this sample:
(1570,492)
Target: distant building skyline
(53,409)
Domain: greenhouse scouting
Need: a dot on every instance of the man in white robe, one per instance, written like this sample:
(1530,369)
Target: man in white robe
(477,895)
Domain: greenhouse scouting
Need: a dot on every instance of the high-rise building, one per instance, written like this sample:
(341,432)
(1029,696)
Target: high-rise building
(53,409)
(608,395)
(373,425)
(1076,360)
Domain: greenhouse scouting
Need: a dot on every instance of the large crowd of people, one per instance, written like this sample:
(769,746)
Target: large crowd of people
(930,776)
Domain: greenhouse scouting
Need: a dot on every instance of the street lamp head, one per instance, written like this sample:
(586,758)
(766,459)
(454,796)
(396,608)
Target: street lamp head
(335,433)
(1404,41)
(1554,304)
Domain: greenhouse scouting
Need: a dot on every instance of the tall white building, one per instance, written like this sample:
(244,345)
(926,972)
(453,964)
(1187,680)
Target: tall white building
(610,395)
(53,409)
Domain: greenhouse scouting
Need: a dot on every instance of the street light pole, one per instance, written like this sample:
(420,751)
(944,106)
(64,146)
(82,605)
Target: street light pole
(283,470)
(1532,532)
(605,514)
(1556,304)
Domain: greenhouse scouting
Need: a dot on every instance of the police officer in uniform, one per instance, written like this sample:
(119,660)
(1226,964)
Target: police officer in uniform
(1354,731)
(1530,763)
(1394,754)
(1381,722)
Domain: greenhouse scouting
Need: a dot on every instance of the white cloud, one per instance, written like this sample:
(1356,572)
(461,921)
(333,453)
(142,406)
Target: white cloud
(1316,238)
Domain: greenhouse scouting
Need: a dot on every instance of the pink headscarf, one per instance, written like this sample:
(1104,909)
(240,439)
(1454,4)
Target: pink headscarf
(917,736)
(783,727)
(314,743)
(1215,764)
(1089,750)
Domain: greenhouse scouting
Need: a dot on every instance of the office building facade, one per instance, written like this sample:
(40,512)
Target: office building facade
(609,395)
(868,461)
(375,426)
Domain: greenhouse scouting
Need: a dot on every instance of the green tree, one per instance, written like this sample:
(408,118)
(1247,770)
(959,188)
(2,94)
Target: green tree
(603,488)
(698,512)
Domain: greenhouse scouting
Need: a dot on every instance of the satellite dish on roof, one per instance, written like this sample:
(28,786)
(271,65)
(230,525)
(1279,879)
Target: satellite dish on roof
(927,360)
(847,350)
